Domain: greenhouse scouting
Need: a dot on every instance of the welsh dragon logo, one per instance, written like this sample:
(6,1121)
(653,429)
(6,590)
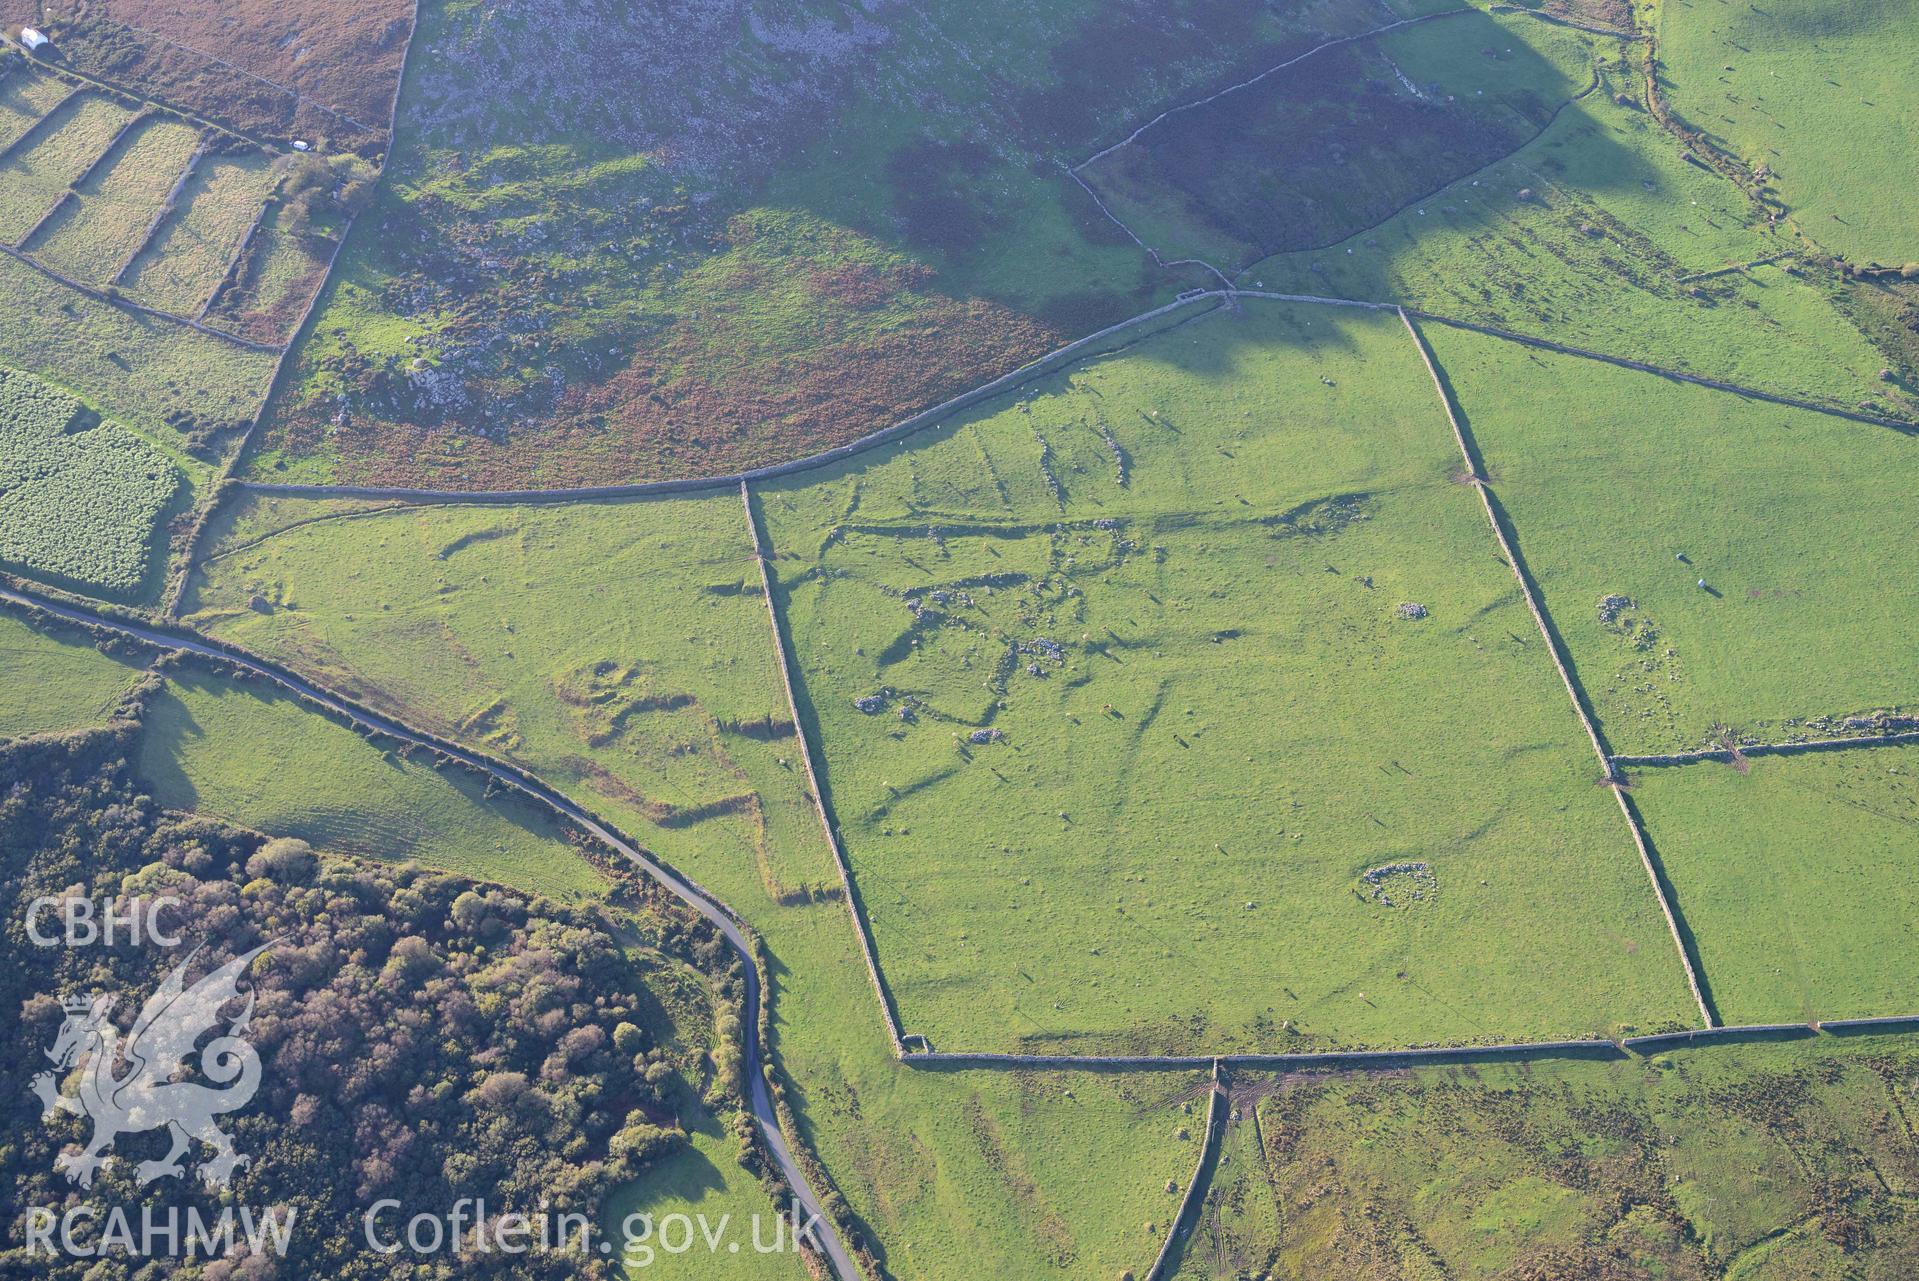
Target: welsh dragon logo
(146,1097)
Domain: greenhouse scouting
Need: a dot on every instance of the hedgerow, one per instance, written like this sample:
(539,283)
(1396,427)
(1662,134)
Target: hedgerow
(80,499)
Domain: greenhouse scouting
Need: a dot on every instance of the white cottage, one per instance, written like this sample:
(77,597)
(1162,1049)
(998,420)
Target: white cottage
(34,39)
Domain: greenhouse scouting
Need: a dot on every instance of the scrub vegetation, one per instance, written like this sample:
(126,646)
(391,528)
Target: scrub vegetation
(1771,1161)
(81,500)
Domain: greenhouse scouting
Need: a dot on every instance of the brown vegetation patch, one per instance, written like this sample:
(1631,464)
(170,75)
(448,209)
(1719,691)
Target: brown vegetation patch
(316,69)
(690,407)
(268,309)
(1613,15)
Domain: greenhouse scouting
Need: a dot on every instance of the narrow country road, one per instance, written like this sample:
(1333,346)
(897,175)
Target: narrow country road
(825,1234)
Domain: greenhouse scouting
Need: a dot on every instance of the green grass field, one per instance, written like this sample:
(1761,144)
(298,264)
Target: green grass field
(619,649)
(705,1185)
(135,368)
(1760,1162)
(1816,92)
(95,232)
(51,683)
(39,173)
(182,265)
(1796,522)
(281,275)
(1116,690)
(25,97)
(1794,874)
(257,758)
(266,761)
(956,1175)
(1593,235)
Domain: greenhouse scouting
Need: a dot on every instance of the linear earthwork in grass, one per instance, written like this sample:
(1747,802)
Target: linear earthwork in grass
(96,230)
(38,172)
(25,97)
(621,651)
(1053,648)
(1592,235)
(1815,97)
(142,370)
(182,265)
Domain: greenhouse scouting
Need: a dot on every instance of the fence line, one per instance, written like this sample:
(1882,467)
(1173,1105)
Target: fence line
(41,224)
(28,136)
(1158,261)
(867,948)
(1266,1062)
(238,258)
(167,206)
(1511,552)
(1908,1021)
(288,90)
(1666,1040)
(1208,1152)
(1727,754)
(1032,370)
(1029,372)
(85,616)
(127,304)
(1624,362)
(1272,70)
(177,595)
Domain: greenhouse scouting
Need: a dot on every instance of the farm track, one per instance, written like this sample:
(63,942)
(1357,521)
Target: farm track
(681,886)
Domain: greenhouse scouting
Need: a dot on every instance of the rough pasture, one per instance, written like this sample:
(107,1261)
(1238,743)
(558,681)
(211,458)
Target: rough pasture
(321,70)
(799,223)
(1628,492)
(1343,139)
